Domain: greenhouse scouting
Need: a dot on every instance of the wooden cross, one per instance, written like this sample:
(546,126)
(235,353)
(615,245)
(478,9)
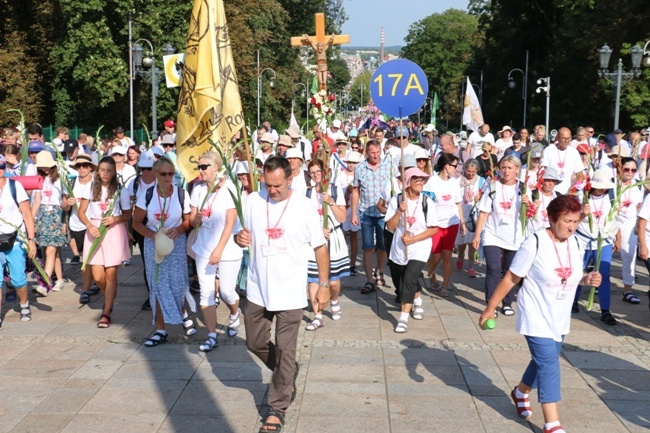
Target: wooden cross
(320,43)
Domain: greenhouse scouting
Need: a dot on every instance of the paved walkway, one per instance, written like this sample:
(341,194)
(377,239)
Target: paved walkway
(60,373)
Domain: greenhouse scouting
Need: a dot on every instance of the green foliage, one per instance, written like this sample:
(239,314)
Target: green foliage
(442,44)
(356,93)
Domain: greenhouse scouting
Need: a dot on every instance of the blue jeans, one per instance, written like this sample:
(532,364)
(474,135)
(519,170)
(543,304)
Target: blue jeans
(543,371)
(372,232)
(604,290)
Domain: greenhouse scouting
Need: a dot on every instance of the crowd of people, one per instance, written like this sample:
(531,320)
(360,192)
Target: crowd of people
(286,233)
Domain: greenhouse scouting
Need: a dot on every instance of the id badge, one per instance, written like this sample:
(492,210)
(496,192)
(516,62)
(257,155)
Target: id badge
(561,175)
(269,250)
(563,294)
(207,224)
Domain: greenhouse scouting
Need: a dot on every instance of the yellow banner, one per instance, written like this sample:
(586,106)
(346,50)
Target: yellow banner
(209,105)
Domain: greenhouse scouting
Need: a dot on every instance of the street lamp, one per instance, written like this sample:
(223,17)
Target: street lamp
(524,88)
(545,88)
(144,65)
(305,94)
(259,84)
(619,78)
(646,53)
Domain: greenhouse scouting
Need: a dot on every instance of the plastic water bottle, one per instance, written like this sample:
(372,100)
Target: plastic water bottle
(489,324)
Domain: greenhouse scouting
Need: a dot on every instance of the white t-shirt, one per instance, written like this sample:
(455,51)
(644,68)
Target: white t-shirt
(172,205)
(448,195)
(628,207)
(51,194)
(126,175)
(298,184)
(8,209)
(540,220)
(600,207)
(544,301)
(96,209)
(317,202)
(502,227)
(476,141)
(566,162)
(214,220)
(532,177)
(501,146)
(79,190)
(277,272)
(421,250)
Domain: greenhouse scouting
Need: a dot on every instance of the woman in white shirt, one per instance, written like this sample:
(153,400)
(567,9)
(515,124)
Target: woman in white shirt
(214,215)
(448,201)
(48,206)
(411,243)
(541,199)
(338,249)
(551,261)
(94,212)
(167,210)
(629,206)
(344,182)
(499,227)
(470,184)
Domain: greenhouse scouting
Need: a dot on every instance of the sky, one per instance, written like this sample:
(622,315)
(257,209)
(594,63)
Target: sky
(367,17)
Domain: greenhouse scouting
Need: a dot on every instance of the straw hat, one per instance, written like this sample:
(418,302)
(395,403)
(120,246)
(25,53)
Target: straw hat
(602,179)
(164,245)
(44,159)
(84,159)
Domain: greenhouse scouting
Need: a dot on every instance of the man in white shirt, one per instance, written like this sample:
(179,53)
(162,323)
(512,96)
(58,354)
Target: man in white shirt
(283,236)
(565,159)
(126,141)
(334,131)
(477,138)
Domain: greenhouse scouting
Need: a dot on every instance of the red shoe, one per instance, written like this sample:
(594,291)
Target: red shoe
(523,406)
(459,264)
(556,429)
(471,273)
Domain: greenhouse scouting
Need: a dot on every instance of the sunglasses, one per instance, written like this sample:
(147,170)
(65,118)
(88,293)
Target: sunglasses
(166,173)
(83,165)
(590,132)
(355,148)
(204,166)
(146,168)
(629,170)
(3,166)
(157,156)
(169,145)
(453,165)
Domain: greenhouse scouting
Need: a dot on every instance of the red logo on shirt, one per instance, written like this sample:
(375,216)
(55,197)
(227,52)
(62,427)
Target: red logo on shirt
(159,215)
(560,164)
(47,193)
(320,211)
(411,220)
(598,213)
(627,203)
(206,213)
(274,233)
(563,273)
(446,197)
(505,204)
(103,206)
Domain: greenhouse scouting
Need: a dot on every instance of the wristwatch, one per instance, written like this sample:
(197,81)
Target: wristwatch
(326,284)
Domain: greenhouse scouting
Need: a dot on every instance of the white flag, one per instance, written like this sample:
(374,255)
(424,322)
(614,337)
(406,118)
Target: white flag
(293,122)
(472,114)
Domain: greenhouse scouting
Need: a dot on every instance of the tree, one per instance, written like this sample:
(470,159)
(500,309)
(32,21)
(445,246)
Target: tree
(360,90)
(442,44)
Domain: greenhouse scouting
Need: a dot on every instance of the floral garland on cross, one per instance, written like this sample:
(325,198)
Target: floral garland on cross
(322,109)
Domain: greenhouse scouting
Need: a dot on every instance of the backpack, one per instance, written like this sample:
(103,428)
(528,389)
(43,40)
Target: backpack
(12,189)
(475,214)
(425,203)
(149,195)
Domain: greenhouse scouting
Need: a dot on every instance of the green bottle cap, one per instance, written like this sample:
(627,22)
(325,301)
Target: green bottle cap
(489,324)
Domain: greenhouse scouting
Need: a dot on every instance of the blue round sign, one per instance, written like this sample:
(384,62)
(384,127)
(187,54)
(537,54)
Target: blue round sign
(399,88)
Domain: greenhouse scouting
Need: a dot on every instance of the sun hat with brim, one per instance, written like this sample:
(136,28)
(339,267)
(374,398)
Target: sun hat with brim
(267,137)
(241,167)
(505,128)
(420,154)
(618,151)
(602,179)
(293,153)
(84,159)
(164,246)
(353,156)
(292,133)
(285,140)
(413,171)
(44,159)
(551,174)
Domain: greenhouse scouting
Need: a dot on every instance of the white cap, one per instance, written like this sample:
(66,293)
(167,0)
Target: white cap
(157,150)
(293,153)
(146,159)
(241,167)
(336,123)
(119,150)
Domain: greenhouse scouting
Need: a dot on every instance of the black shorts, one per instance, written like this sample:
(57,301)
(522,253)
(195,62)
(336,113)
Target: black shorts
(79,238)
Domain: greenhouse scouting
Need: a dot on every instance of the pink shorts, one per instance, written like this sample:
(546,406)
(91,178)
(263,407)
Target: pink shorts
(444,239)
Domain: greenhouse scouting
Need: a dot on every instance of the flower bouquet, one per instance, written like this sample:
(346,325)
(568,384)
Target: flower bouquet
(321,108)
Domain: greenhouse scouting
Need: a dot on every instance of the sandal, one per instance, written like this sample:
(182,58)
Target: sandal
(209,344)
(444,291)
(556,429)
(417,312)
(471,273)
(104,321)
(435,285)
(84,298)
(156,339)
(336,311)
(507,310)
(275,427)
(189,326)
(522,404)
(233,325)
(315,324)
(629,297)
(368,288)
(381,280)
(402,326)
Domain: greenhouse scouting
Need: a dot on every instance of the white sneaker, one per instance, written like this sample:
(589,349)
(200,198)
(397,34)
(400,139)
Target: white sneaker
(40,290)
(58,286)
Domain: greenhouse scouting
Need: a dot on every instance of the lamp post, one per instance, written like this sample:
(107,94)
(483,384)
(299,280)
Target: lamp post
(646,53)
(619,78)
(141,61)
(524,88)
(259,84)
(304,93)
(361,104)
(546,81)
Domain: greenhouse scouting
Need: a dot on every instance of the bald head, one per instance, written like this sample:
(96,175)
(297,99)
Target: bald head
(563,138)
(447,144)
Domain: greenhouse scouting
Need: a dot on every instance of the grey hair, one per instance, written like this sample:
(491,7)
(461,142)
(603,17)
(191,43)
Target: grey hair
(472,163)
(512,159)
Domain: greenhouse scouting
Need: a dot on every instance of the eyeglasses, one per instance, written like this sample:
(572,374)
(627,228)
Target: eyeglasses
(590,132)
(83,165)
(204,167)
(146,168)
(314,173)
(166,174)
(416,179)
(629,170)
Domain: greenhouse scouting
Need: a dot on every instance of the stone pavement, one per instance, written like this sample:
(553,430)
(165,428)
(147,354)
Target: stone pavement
(59,373)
